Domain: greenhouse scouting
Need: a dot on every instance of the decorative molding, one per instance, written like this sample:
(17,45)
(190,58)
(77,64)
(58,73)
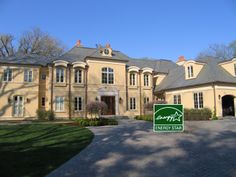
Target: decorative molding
(61,63)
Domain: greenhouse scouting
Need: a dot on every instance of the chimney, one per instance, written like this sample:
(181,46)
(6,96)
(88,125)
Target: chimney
(78,43)
(108,45)
(181,60)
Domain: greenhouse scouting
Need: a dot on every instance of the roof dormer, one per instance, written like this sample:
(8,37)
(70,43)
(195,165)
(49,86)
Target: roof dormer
(192,69)
(229,66)
(107,51)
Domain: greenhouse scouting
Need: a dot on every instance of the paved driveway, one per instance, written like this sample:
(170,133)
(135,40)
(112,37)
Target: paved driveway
(206,149)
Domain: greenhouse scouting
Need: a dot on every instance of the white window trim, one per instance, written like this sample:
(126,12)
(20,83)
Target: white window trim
(177,99)
(132,102)
(133,80)
(144,80)
(8,75)
(78,69)
(28,70)
(107,73)
(78,110)
(198,100)
(190,71)
(60,73)
(63,106)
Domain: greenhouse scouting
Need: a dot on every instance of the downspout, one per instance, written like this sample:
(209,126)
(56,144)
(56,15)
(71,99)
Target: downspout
(214,92)
(69,93)
(86,90)
(126,90)
(153,86)
(52,80)
(140,92)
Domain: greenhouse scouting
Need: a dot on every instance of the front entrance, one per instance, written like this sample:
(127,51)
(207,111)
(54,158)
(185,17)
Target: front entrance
(228,105)
(110,101)
(18,106)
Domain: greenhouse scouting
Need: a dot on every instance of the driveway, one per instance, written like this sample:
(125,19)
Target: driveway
(131,149)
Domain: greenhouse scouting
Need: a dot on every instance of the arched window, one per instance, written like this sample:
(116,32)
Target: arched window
(107,76)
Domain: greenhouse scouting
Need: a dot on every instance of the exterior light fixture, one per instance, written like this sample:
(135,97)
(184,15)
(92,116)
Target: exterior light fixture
(219,97)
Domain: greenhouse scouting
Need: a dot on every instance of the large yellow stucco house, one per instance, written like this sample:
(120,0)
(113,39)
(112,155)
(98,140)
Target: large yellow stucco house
(82,75)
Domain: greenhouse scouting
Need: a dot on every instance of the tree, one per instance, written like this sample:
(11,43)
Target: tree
(38,42)
(6,46)
(220,51)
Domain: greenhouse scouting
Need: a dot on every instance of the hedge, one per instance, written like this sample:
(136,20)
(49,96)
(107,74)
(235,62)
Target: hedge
(197,114)
(96,121)
(144,117)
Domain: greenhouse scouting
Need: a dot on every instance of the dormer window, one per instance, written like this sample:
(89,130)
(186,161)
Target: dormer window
(190,71)
(146,79)
(60,75)
(132,79)
(106,51)
(78,76)
(235,69)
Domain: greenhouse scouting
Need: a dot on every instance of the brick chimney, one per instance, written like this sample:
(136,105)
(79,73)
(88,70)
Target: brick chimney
(181,60)
(78,43)
(108,45)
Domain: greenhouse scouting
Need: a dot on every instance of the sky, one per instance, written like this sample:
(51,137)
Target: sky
(158,29)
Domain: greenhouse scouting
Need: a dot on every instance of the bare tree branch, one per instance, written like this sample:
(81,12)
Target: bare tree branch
(6,46)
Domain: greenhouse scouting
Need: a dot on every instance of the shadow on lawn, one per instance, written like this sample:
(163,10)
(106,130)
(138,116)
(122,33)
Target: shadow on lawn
(35,150)
(118,152)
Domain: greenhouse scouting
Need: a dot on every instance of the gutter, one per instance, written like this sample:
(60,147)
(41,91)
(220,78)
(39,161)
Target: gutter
(140,93)
(214,92)
(52,80)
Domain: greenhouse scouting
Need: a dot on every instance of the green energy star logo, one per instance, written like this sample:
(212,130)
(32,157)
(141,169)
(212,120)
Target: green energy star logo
(168,118)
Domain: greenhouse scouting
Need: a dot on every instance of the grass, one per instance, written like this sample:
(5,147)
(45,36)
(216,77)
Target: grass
(34,150)
(144,117)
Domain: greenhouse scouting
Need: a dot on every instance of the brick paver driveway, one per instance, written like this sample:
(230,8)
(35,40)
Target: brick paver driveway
(206,149)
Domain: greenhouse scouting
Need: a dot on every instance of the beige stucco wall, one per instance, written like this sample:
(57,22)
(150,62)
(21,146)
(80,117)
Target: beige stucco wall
(229,66)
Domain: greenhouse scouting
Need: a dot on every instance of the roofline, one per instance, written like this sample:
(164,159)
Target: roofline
(30,64)
(104,58)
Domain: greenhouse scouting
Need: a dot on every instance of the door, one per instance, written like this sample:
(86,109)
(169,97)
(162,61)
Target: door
(18,106)
(228,105)
(110,101)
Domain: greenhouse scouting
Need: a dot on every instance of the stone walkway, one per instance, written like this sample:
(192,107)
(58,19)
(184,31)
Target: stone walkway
(132,149)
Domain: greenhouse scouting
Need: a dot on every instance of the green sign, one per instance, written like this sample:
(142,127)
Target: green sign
(168,118)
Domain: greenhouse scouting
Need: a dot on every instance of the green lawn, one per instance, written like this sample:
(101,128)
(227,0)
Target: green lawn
(35,150)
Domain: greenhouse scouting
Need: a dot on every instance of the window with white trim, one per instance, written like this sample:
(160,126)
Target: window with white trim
(132,79)
(78,104)
(146,79)
(28,75)
(60,75)
(78,76)
(177,99)
(7,75)
(198,100)
(132,104)
(190,71)
(107,76)
(59,102)
(146,100)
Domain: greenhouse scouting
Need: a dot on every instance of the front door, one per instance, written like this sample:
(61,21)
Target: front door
(18,106)
(110,101)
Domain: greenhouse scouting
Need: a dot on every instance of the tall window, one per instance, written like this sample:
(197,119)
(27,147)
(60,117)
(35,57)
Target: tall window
(146,100)
(60,75)
(198,100)
(78,104)
(107,76)
(190,71)
(235,69)
(146,80)
(78,76)
(7,76)
(59,103)
(132,79)
(28,75)
(177,99)
(132,104)
(43,101)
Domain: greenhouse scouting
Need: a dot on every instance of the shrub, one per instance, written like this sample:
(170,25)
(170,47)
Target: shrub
(41,114)
(144,117)
(45,115)
(149,106)
(197,114)
(96,121)
(97,108)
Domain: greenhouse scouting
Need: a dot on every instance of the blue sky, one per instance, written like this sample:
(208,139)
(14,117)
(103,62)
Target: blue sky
(139,28)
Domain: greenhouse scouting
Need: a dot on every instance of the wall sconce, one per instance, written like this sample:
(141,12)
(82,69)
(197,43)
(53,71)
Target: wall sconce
(219,97)
(120,100)
(9,100)
(96,98)
(27,100)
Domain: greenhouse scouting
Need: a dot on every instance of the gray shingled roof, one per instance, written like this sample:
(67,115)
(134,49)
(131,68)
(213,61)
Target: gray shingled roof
(26,59)
(80,53)
(210,73)
(160,65)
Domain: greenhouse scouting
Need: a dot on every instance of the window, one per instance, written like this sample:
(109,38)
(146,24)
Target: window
(235,69)
(78,76)
(78,104)
(43,101)
(43,76)
(132,79)
(146,100)
(198,100)
(190,71)
(59,103)
(146,80)
(7,76)
(177,99)
(28,75)
(107,76)
(60,75)
(132,103)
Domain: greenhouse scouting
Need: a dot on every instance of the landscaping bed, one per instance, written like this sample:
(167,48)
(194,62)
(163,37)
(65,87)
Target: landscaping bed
(34,150)
(96,121)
